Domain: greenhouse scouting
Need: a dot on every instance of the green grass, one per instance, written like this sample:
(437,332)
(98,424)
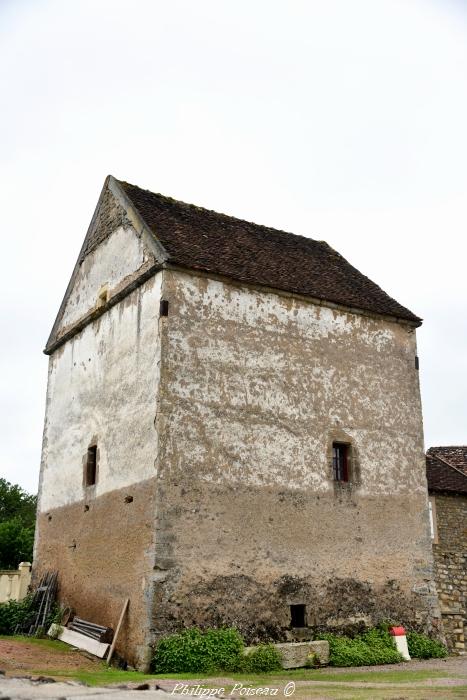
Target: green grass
(332,680)
(375,693)
(101,676)
(51,644)
(105,676)
(390,676)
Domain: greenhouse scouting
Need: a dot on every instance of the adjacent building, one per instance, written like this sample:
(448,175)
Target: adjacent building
(446,469)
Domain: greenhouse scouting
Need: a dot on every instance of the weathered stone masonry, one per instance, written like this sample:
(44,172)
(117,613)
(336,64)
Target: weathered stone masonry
(450,556)
(447,484)
(215,500)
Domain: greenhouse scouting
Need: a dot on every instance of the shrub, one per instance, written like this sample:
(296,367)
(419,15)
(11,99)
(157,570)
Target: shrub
(23,614)
(195,650)
(262,658)
(14,613)
(422,647)
(16,543)
(373,647)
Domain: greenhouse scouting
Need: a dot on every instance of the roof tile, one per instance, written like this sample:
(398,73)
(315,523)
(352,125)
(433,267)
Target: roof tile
(442,475)
(201,239)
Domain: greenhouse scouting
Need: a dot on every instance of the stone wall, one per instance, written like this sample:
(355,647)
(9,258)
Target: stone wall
(450,554)
(255,387)
(14,584)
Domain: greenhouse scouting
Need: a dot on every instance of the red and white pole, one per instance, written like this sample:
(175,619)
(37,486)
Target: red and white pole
(400,640)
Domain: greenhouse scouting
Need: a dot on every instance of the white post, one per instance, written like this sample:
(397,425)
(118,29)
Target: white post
(400,640)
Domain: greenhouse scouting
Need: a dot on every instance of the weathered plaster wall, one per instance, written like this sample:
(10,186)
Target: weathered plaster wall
(254,388)
(102,388)
(450,553)
(117,258)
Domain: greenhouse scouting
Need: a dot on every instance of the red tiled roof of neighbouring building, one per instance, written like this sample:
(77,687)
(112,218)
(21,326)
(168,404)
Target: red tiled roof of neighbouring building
(442,474)
(456,455)
(204,240)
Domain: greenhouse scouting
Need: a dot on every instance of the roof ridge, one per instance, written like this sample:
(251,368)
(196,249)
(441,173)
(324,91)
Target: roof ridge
(448,447)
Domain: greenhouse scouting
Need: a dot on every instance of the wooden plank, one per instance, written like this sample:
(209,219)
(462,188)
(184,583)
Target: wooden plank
(114,641)
(78,640)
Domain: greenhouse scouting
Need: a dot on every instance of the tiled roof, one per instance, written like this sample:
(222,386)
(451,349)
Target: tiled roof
(456,455)
(201,239)
(441,474)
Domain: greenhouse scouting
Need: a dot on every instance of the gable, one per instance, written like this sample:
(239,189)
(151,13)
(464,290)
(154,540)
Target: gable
(134,232)
(116,253)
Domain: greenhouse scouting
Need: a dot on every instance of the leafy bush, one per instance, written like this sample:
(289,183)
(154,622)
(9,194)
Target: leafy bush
(24,612)
(422,647)
(195,650)
(17,522)
(262,658)
(373,647)
(206,651)
(14,613)
(16,543)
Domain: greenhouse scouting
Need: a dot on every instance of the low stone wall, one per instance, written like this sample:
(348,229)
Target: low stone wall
(14,584)
(451,570)
(300,654)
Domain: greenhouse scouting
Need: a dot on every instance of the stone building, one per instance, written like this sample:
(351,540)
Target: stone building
(233,433)
(446,470)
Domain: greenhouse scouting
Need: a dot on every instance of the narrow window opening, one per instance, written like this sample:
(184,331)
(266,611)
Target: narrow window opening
(164,308)
(298,615)
(417,362)
(340,461)
(91,466)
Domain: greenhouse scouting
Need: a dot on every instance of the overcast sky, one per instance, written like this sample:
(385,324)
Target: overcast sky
(343,121)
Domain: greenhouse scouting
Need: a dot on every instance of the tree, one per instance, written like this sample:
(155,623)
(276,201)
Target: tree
(17,523)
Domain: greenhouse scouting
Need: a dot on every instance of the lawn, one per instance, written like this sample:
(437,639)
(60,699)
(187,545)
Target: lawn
(416,681)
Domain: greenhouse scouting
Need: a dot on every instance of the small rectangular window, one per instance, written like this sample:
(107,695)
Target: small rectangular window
(298,615)
(340,461)
(91,466)
(164,307)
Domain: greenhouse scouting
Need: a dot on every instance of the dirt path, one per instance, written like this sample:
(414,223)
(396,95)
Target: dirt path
(20,657)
